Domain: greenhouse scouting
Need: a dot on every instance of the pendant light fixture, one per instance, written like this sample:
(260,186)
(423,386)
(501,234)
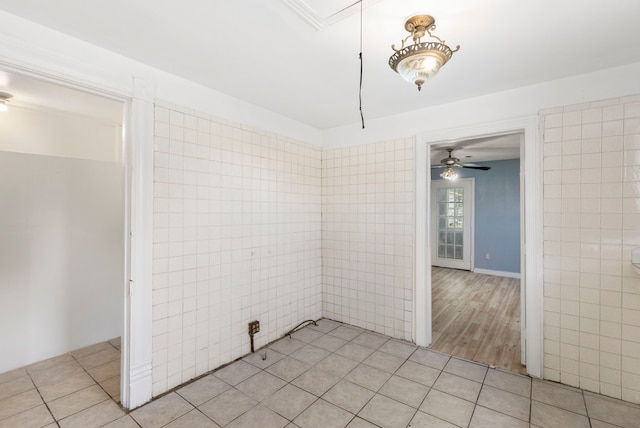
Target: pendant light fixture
(420,61)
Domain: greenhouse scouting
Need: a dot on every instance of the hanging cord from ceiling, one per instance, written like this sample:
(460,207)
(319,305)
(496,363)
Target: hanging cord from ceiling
(361,68)
(359,55)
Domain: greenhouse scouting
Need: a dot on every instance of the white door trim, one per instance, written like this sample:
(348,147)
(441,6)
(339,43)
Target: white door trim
(137,388)
(422,325)
(532,274)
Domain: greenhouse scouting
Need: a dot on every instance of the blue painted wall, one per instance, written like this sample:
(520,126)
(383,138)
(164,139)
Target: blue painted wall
(497,214)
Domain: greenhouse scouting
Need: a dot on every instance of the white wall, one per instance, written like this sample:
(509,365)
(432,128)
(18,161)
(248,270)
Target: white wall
(368,236)
(591,223)
(61,255)
(42,131)
(61,233)
(236,238)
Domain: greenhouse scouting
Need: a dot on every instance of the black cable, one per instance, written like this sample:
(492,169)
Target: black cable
(294,329)
(361,68)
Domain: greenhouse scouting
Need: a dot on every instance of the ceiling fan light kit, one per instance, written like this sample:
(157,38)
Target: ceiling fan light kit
(450,162)
(420,61)
(449,174)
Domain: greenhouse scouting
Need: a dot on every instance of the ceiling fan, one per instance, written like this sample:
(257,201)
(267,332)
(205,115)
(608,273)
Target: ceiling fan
(450,162)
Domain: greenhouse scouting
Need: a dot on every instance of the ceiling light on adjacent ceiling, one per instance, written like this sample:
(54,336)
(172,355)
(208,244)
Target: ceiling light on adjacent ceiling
(449,174)
(4,98)
(420,61)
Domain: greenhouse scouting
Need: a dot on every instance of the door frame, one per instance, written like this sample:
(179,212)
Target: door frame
(138,136)
(469,231)
(532,229)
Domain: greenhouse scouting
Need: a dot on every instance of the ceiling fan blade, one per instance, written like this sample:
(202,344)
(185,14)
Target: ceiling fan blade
(472,166)
(438,166)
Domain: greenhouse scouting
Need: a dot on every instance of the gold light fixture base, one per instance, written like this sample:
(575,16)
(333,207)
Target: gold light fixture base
(425,21)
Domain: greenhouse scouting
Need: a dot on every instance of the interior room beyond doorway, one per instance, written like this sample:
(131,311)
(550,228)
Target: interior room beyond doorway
(62,223)
(476,250)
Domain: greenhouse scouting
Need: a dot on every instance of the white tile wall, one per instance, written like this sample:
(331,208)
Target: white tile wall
(237,237)
(591,222)
(368,234)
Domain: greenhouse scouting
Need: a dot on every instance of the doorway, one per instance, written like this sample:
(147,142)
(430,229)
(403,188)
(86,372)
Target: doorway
(475,278)
(63,223)
(531,263)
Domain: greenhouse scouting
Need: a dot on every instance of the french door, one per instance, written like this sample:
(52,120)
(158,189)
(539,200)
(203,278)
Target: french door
(452,223)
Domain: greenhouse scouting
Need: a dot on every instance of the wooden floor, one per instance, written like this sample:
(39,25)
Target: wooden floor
(477,317)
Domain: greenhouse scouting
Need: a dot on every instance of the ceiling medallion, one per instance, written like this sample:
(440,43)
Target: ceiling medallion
(420,61)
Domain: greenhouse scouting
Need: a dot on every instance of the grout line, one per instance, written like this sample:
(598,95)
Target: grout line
(43,400)
(530,400)
(98,383)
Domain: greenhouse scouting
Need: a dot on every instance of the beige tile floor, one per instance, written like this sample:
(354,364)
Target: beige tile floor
(61,388)
(330,375)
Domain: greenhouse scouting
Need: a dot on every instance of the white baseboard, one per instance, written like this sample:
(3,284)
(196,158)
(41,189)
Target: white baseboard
(498,273)
(140,385)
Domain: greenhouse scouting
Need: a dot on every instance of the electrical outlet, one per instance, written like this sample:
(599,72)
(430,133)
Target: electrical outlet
(487,256)
(254,327)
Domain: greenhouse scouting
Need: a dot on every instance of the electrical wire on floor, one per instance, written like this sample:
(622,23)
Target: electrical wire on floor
(302,324)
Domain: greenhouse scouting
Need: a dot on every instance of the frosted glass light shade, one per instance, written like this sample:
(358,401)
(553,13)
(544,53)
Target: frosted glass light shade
(449,174)
(420,67)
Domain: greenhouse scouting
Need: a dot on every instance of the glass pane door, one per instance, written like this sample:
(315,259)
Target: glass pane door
(451,212)
(450,223)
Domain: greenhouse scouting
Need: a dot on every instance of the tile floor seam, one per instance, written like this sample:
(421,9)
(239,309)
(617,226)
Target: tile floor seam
(97,383)
(531,401)
(46,403)
(43,400)
(30,408)
(171,421)
(586,408)
(301,411)
(562,408)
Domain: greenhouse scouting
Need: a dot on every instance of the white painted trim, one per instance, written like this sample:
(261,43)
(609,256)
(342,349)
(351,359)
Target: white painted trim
(138,332)
(523,300)
(319,22)
(126,337)
(532,245)
(497,273)
(422,328)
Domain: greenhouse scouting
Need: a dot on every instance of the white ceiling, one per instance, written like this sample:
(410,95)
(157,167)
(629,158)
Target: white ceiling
(295,58)
(478,150)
